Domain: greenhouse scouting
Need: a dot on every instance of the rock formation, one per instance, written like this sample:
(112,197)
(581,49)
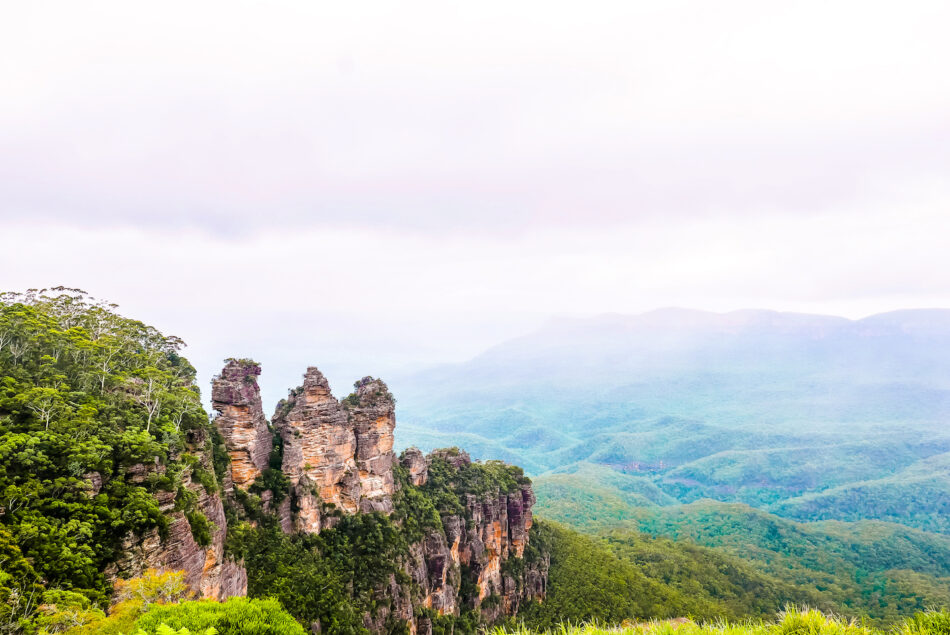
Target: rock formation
(474,544)
(372,413)
(338,459)
(415,463)
(236,397)
(336,454)
(207,570)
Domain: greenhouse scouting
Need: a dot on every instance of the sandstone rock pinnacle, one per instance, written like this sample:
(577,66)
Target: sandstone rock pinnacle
(237,398)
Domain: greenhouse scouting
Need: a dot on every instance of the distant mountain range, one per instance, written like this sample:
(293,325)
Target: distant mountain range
(807,416)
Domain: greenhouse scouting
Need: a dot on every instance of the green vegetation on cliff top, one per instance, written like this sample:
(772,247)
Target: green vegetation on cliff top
(86,398)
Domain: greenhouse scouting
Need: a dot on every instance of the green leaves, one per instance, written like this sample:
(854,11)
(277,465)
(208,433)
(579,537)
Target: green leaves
(237,616)
(165,629)
(92,406)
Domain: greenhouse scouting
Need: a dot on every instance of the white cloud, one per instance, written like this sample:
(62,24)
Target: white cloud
(371,185)
(228,116)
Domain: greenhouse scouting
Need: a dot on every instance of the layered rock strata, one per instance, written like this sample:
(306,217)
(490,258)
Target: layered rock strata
(207,571)
(236,397)
(338,458)
(335,454)
(473,546)
(371,411)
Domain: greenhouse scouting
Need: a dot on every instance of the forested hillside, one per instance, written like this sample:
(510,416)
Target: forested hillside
(867,568)
(87,399)
(123,503)
(110,467)
(749,406)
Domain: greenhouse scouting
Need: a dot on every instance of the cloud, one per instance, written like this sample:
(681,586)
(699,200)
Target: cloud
(371,186)
(235,118)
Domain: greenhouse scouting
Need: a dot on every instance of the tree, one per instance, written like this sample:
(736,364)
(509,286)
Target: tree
(150,388)
(45,403)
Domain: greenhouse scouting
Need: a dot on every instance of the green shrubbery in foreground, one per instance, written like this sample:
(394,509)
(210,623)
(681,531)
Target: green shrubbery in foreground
(791,622)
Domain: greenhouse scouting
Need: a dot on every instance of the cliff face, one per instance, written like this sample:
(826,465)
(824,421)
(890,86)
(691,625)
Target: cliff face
(373,416)
(492,530)
(338,460)
(336,454)
(236,397)
(207,571)
(474,559)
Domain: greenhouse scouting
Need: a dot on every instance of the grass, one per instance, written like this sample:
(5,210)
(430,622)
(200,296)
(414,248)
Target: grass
(792,621)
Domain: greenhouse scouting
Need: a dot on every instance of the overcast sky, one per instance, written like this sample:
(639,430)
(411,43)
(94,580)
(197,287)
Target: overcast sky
(373,186)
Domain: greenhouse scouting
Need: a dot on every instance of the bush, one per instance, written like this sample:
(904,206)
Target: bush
(237,616)
(929,623)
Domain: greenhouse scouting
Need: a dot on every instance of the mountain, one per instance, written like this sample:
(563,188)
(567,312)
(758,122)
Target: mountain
(809,416)
(110,469)
(875,569)
(121,501)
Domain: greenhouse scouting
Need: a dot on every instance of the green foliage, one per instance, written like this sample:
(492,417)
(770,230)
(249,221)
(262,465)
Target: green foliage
(61,611)
(164,629)
(71,613)
(927,623)
(448,484)
(296,570)
(918,496)
(97,412)
(642,578)
(338,576)
(879,570)
(791,621)
(236,616)
(201,528)
(414,510)
(332,577)
(275,481)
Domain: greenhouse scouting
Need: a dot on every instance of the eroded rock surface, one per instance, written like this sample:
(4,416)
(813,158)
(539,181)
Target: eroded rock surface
(319,452)
(207,571)
(236,397)
(492,529)
(415,462)
(371,410)
(338,459)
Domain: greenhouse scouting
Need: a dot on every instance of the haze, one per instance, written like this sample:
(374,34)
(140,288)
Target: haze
(375,188)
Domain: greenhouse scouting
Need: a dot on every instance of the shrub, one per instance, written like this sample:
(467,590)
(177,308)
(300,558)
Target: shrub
(237,616)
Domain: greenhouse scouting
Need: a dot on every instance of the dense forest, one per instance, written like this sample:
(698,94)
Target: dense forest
(85,395)
(108,451)
(866,568)
(675,406)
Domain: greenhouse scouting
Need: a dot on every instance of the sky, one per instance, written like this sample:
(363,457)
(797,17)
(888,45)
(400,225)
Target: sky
(375,187)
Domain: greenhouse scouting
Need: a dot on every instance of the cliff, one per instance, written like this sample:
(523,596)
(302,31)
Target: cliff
(465,525)
(236,397)
(336,454)
(449,537)
(194,512)
(476,541)
(111,466)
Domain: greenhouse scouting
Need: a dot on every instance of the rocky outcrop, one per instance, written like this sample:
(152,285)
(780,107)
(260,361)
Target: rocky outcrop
(477,545)
(319,453)
(337,458)
(456,532)
(520,518)
(236,397)
(415,463)
(207,571)
(337,455)
(371,411)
